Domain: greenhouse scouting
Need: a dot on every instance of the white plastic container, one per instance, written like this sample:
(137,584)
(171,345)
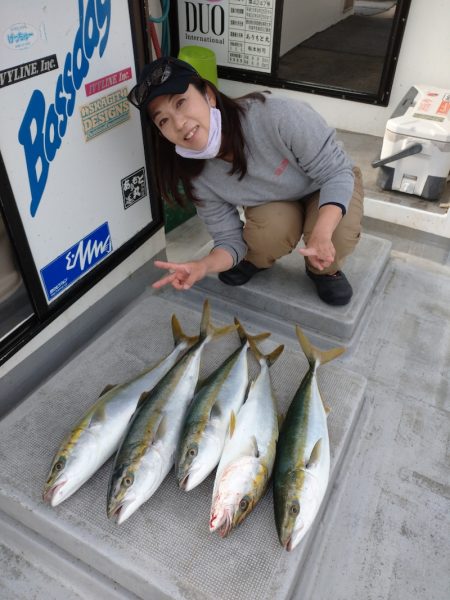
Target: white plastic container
(415,157)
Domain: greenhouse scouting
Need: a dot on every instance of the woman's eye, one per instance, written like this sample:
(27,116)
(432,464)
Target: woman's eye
(162,122)
(180,102)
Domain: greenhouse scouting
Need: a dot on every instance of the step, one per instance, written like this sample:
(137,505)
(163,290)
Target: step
(165,549)
(285,293)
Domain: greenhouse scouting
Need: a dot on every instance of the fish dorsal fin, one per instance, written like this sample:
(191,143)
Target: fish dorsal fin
(215,412)
(160,430)
(252,449)
(107,388)
(315,455)
(179,335)
(232,424)
(98,417)
(142,399)
(315,356)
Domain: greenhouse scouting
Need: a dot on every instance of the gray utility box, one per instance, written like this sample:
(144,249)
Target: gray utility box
(415,157)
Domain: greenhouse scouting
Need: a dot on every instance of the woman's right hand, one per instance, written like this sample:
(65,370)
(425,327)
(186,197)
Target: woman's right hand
(182,276)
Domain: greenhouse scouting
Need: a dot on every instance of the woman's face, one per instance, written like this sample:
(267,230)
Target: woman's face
(183,119)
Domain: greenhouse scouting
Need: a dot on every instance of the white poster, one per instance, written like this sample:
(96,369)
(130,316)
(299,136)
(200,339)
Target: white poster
(71,142)
(240,32)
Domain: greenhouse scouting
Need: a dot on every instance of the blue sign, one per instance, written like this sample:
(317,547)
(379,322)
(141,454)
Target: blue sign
(76,261)
(44,127)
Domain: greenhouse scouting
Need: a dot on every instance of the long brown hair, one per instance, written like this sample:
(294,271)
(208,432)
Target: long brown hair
(175,174)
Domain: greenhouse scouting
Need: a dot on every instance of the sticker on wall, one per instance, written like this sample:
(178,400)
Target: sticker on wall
(134,188)
(103,114)
(102,84)
(28,70)
(20,36)
(76,261)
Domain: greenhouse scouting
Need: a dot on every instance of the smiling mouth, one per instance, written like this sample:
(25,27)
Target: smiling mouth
(191,134)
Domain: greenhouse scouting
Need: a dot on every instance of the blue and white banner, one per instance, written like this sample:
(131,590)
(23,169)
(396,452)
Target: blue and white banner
(76,261)
(68,143)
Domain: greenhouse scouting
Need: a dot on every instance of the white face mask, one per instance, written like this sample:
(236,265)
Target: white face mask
(211,150)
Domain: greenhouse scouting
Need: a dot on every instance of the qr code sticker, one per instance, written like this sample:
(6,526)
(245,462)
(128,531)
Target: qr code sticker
(134,188)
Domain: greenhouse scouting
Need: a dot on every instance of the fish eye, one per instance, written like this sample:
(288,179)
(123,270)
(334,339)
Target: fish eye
(294,509)
(192,452)
(128,480)
(243,504)
(59,465)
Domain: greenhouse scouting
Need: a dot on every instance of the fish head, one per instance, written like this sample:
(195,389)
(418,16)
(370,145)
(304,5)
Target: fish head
(298,509)
(130,486)
(237,493)
(122,497)
(187,454)
(69,470)
(197,457)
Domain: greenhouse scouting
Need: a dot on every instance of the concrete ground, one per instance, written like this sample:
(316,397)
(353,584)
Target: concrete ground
(385,530)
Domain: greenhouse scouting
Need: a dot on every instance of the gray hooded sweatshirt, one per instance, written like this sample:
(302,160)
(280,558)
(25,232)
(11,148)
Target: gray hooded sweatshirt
(291,153)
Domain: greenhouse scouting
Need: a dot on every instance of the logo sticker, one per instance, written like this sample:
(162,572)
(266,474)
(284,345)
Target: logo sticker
(28,70)
(44,123)
(20,36)
(134,188)
(99,85)
(105,113)
(76,261)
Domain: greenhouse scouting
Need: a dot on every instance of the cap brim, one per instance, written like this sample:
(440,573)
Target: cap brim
(176,85)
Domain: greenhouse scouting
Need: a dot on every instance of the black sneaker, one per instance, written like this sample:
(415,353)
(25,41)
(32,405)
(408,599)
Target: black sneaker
(332,289)
(240,273)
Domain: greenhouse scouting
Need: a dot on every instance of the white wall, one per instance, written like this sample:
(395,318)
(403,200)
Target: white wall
(424,58)
(301,20)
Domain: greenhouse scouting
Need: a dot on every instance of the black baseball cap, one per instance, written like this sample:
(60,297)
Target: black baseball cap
(166,75)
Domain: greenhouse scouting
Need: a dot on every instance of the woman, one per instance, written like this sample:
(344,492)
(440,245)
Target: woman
(275,157)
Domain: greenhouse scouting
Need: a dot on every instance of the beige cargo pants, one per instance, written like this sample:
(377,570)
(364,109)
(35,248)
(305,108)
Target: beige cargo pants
(274,229)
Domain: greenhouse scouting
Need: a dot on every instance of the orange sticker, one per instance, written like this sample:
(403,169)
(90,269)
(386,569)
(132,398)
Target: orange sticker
(444,107)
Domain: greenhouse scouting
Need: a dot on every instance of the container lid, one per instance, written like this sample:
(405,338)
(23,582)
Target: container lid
(428,116)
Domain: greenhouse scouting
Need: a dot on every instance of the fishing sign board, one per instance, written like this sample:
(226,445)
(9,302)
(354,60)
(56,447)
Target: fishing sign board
(77,189)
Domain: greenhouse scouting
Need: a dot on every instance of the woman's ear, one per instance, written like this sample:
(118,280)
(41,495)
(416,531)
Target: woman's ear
(211,97)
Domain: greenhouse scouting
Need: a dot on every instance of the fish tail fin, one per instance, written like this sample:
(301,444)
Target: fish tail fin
(207,328)
(179,335)
(269,358)
(244,336)
(315,356)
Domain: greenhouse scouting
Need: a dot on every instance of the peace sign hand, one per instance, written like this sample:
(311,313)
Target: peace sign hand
(182,276)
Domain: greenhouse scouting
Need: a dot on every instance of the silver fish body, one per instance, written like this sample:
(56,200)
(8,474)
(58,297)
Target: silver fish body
(147,451)
(206,424)
(248,456)
(98,433)
(302,466)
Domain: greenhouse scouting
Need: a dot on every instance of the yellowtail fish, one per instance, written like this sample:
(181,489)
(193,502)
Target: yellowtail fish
(249,453)
(302,464)
(97,435)
(148,448)
(205,428)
